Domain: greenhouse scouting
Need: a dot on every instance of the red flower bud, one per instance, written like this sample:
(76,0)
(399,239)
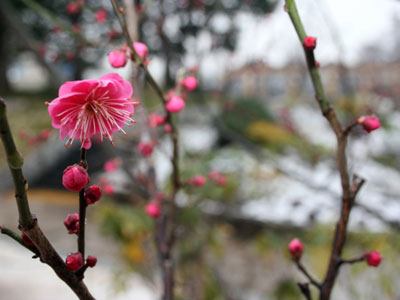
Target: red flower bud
(92,194)
(369,123)
(101,15)
(373,258)
(71,222)
(176,104)
(109,189)
(74,261)
(141,49)
(167,128)
(310,43)
(189,83)
(117,58)
(27,240)
(197,181)
(153,209)
(296,248)
(73,8)
(91,261)
(217,178)
(155,120)
(75,178)
(146,148)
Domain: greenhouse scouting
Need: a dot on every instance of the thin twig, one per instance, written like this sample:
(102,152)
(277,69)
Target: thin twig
(349,127)
(305,290)
(301,267)
(18,239)
(352,260)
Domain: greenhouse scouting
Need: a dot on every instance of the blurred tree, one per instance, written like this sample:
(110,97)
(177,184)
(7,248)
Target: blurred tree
(55,33)
(68,39)
(171,28)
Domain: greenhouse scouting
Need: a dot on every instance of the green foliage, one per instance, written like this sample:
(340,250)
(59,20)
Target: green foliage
(239,114)
(124,221)
(287,289)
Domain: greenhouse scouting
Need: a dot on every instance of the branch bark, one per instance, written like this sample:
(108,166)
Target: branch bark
(348,192)
(27,222)
(166,237)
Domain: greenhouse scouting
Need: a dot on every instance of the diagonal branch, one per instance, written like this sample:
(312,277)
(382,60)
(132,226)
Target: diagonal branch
(29,224)
(301,267)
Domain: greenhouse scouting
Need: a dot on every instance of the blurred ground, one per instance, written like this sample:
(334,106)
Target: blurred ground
(38,280)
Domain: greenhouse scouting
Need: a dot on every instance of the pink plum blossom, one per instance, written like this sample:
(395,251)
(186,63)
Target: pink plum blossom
(84,108)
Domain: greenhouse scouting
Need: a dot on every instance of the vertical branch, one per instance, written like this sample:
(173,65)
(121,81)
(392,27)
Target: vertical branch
(166,239)
(15,162)
(82,209)
(341,135)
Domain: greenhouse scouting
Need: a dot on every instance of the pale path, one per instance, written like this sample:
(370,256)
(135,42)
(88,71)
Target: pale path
(20,275)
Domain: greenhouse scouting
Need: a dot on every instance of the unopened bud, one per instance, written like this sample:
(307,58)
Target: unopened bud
(71,222)
(91,261)
(74,261)
(373,258)
(296,248)
(75,178)
(92,194)
(153,209)
(310,43)
(369,123)
(27,240)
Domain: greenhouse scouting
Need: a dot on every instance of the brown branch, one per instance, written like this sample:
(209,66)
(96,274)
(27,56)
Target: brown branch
(305,290)
(348,192)
(18,239)
(29,224)
(349,127)
(352,260)
(82,215)
(301,267)
(167,236)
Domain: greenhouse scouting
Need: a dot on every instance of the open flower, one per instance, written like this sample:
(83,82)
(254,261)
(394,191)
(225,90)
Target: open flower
(88,107)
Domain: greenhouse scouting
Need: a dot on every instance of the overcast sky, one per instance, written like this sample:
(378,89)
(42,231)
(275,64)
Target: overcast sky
(358,23)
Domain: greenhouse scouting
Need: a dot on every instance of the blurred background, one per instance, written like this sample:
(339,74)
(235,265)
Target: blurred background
(253,119)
